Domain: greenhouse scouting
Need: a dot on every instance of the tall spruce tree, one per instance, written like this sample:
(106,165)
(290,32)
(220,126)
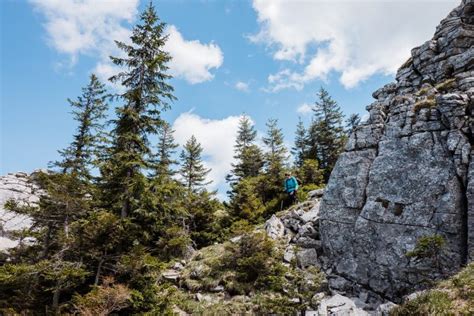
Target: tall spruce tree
(248,156)
(326,132)
(277,155)
(166,148)
(300,149)
(146,94)
(89,111)
(192,171)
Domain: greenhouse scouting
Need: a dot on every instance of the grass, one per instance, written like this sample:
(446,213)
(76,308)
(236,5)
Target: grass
(426,103)
(454,296)
(446,85)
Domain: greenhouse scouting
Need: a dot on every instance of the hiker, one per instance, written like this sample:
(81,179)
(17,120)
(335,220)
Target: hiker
(291,188)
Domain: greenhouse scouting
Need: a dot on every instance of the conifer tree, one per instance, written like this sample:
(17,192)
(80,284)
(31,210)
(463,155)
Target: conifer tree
(166,150)
(192,171)
(300,149)
(352,122)
(146,94)
(89,111)
(326,131)
(247,154)
(276,156)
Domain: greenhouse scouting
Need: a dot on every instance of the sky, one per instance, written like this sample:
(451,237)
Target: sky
(265,59)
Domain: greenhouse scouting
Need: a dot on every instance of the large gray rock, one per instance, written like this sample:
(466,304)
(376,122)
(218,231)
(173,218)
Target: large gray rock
(339,305)
(408,172)
(21,188)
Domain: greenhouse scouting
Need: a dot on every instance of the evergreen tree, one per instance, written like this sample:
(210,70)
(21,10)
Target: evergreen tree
(326,132)
(89,111)
(300,149)
(192,171)
(248,156)
(146,94)
(352,122)
(166,150)
(276,156)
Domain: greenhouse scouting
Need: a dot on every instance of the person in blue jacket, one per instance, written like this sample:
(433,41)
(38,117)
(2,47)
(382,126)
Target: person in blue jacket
(291,187)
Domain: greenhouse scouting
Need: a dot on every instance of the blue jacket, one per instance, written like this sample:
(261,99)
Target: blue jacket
(291,185)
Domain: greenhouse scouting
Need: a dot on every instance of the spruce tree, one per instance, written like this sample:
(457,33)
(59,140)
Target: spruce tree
(192,171)
(300,149)
(89,111)
(276,156)
(147,93)
(248,156)
(166,149)
(352,122)
(326,132)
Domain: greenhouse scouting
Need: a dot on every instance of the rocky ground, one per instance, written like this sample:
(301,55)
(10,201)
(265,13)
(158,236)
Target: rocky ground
(296,233)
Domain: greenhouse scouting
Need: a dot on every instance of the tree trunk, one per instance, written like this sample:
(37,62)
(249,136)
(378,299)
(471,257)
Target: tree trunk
(99,268)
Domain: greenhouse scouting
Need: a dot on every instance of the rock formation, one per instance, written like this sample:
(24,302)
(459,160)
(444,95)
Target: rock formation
(408,171)
(20,187)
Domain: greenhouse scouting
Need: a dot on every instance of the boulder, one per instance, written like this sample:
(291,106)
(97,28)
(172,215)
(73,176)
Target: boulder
(339,305)
(274,228)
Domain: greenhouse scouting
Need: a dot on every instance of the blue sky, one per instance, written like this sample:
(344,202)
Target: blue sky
(265,59)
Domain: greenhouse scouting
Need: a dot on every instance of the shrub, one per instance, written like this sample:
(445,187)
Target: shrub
(103,300)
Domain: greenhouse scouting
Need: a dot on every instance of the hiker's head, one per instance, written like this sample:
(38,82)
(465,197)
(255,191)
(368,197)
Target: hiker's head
(287,174)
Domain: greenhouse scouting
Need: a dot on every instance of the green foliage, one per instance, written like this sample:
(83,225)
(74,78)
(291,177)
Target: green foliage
(326,135)
(249,158)
(103,300)
(427,247)
(164,161)
(192,171)
(310,173)
(246,202)
(89,112)
(300,149)
(454,296)
(352,122)
(147,93)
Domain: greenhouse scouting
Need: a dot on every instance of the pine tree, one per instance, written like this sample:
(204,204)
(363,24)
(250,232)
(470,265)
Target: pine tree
(326,132)
(300,149)
(352,122)
(248,156)
(89,111)
(192,171)
(166,149)
(146,94)
(276,156)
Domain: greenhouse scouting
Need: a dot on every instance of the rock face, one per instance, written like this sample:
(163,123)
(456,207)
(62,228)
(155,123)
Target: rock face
(20,187)
(408,171)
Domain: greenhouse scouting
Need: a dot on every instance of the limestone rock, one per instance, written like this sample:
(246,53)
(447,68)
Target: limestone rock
(339,305)
(274,227)
(408,172)
(21,188)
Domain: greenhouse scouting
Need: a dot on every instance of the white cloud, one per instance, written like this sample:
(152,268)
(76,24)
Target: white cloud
(242,86)
(304,109)
(217,138)
(89,27)
(357,39)
(192,60)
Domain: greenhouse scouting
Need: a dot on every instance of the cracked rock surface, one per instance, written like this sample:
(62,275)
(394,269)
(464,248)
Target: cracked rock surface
(20,187)
(408,171)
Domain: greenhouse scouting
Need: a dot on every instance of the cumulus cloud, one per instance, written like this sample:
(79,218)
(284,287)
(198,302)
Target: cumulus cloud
(242,86)
(356,39)
(89,27)
(192,60)
(304,109)
(217,138)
